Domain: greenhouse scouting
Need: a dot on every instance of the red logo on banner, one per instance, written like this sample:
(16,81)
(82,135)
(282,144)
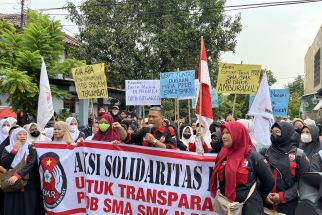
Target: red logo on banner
(54,181)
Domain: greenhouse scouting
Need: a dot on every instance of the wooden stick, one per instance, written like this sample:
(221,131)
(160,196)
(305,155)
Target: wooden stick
(189,112)
(234,105)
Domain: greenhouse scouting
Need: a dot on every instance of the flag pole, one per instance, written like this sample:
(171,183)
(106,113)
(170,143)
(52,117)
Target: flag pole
(200,105)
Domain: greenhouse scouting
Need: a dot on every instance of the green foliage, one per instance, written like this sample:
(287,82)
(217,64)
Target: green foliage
(6,26)
(138,41)
(20,87)
(270,77)
(296,89)
(65,67)
(20,60)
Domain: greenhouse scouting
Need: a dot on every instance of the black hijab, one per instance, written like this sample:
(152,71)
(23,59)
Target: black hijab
(278,152)
(314,146)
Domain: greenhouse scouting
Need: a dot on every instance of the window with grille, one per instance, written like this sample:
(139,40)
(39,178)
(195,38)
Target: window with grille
(317,68)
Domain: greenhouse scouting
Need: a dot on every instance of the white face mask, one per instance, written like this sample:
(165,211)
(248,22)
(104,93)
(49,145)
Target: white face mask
(306,138)
(115,112)
(5,129)
(73,128)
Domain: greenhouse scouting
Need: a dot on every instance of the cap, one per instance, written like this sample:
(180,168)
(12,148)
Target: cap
(117,107)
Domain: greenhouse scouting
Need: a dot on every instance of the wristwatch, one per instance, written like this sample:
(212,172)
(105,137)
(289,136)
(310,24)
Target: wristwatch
(155,141)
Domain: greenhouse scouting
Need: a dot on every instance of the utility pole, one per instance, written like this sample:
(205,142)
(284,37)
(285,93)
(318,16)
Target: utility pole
(22,14)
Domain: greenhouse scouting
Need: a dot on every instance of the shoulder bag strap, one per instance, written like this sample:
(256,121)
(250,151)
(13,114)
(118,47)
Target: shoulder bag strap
(250,191)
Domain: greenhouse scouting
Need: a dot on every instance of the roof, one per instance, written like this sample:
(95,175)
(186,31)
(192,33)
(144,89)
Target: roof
(15,20)
(71,40)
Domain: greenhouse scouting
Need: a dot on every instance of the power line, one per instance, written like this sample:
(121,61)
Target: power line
(240,6)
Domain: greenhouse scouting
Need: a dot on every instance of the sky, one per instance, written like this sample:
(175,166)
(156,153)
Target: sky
(275,37)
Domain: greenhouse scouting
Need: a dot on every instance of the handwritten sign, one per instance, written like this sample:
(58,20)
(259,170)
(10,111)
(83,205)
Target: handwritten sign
(175,84)
(195,93)
(279,99)
(214,100)
(280,102)
(90,81)
(142,92)
(238,78)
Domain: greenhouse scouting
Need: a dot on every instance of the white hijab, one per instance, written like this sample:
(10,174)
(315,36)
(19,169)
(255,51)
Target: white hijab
(12,120)
(74,134)
(23,152)
(190,140)
(40,138)
(3,136)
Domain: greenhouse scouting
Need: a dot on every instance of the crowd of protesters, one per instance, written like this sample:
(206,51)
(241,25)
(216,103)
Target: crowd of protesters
(243,166)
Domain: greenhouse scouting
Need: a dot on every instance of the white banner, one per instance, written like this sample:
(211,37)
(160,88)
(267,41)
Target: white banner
(142,92)
(102,178)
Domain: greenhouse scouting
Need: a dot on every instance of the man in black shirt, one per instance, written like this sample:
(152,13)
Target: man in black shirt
(156,135)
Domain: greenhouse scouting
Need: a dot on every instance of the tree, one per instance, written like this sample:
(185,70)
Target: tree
(139,40)
(296,90)
(20,60)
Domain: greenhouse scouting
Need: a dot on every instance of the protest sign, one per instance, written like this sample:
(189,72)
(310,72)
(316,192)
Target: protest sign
(175,84)
(90,81)
(195,92)
(214,100)
(142,92)
(238,78)
(280,102)
(104,178)
(279,99)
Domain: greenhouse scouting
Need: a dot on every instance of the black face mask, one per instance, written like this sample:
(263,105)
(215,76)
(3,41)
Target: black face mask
(194,132)
(275,138)
(186,136)
(298,130)
(35,133)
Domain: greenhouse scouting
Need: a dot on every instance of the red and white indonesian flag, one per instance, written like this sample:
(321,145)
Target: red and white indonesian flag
(204,94)
(45,103)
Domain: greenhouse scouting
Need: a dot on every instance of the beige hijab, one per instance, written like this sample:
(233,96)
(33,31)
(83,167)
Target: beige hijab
(66,138)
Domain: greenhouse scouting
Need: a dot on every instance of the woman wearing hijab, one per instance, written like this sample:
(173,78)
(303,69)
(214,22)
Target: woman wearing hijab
(34,134)
(4,144)
(106,132)
(189,140)
(287,164)
(61,133)
(310,140)
(72,126)
(13,121)
(26,201)
(238,167)
(5,126)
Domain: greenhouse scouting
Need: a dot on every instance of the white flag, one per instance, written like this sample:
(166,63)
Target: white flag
(45,103)
(261,109)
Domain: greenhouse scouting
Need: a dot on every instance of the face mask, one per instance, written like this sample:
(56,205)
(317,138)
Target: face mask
(194,132)
(35,133)
(115,113)
(5,129)
(275,138)
(103,127)
(186,136)
(306,138)
(101,113)
(73,128)
(298,131)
